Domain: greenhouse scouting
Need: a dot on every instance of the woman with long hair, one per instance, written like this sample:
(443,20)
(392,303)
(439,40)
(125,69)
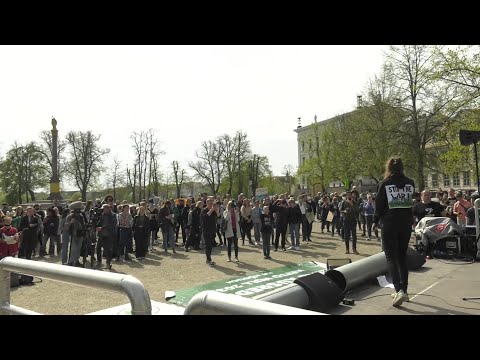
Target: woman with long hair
(393,207)
(141,232)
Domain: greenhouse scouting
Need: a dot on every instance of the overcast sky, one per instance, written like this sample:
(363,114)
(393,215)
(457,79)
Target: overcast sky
(187,93)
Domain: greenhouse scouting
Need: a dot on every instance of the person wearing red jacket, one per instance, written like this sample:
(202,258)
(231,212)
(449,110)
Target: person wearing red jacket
(8,233)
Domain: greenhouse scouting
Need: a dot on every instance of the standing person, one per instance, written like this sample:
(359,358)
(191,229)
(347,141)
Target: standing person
(349,210)
(8,239)
(369,211)
(246,222)
(125,223)
(107,231)
(64,228)
(393,206)
(208,218)
(257,224)
(281,222)
(141,233)
(267,227)
(294,217)
(167,219)
(460,208)
(51,224)
(29,225)
(77,228)
(231,225)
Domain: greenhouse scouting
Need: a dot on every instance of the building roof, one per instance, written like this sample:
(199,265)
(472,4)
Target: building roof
(324,122)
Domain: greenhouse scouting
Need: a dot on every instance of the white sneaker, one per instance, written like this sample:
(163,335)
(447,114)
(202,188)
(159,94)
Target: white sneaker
(407,299)
(291,248)
(399,298)
(297,248)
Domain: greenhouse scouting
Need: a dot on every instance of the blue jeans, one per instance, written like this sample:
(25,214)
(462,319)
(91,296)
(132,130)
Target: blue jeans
(168,237)
(295,234)
(76,248)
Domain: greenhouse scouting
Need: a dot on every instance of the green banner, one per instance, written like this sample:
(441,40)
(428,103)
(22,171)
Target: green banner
(253,285)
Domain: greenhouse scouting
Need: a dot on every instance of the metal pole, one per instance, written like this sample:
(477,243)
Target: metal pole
(348,276)
(4,288)
(476,206)
(16,310)
(127,284)
(215,303)
(290,295)
(476,165)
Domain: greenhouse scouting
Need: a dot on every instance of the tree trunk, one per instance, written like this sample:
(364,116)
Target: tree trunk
(32,195)
(84,194)
(420,171)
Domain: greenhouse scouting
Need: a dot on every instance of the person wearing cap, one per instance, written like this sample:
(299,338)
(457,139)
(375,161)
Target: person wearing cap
(460,208)
(77,227)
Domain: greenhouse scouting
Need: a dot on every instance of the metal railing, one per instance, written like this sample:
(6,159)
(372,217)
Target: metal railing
(216,303)
(127,284)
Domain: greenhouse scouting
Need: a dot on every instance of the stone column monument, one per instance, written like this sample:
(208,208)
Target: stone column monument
(54,181)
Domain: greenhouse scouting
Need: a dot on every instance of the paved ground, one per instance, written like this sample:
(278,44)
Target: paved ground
(440,288)
(167,271)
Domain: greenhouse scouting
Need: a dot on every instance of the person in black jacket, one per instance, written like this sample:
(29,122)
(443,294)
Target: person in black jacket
(393,207)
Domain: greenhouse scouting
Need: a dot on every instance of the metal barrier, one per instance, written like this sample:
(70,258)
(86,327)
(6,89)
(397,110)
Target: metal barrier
(127,284)
(215,303)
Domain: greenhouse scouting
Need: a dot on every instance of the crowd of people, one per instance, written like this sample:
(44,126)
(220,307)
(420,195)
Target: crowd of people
(110,231)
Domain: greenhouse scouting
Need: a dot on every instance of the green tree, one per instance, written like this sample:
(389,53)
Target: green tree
(27,172)
(428,105)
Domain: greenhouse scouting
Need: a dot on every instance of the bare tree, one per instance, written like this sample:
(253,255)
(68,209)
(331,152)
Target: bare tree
(85,162)
(288,171)
(179,175)
(116,176)
(139,146)
(209,166)
(132,180)
(241,153)
(46,149)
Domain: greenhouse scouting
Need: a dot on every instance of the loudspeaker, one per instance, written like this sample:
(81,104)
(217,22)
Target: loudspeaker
(415,260)
(322,292)
(468,137)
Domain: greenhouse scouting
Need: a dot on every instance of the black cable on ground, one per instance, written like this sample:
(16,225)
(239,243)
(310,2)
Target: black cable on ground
(433,296)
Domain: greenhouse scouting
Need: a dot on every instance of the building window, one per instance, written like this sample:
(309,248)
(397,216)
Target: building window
(466,178)
(434,180)
(456,179)
(446,180)
(303,145)
(310,144)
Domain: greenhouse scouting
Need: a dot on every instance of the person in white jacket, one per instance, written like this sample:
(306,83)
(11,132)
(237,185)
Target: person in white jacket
(231,227)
